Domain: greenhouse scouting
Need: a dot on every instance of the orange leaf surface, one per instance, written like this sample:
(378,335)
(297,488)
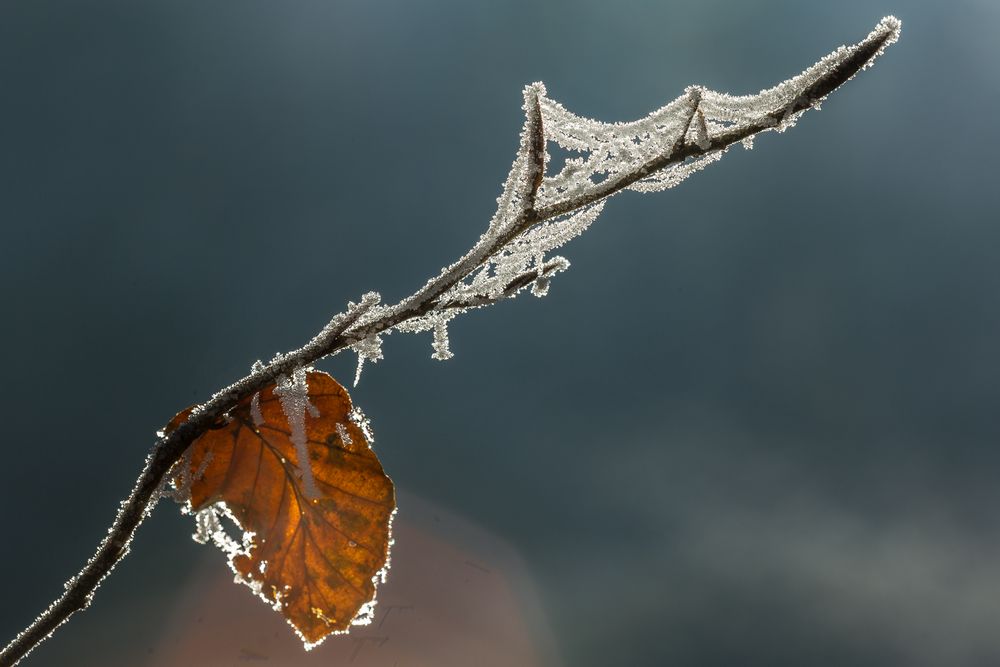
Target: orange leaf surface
(314,555)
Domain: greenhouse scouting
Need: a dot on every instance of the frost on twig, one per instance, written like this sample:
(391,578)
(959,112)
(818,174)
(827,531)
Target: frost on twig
(538,213)
(696,127)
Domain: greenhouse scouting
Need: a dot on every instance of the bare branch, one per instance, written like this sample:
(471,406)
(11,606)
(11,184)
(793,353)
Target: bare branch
(367,318)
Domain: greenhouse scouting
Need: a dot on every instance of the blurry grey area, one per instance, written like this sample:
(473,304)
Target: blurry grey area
(755,423)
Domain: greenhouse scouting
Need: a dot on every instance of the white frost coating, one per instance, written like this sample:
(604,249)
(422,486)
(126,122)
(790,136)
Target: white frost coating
(357,370)
(293,392)
(345,436)
(544,237)
(367,349)
(668,178)
(610,149)
(209,528)
(742,109)
(514,202)
(437,323)
(366,614)
(442,352)
(368,301)
(700,114)
(359,419)
(524,253)
(516,189)
(179,480)
(255,413)
(698,134)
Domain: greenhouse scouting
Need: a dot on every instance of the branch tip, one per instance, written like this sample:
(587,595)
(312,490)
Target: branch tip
(535,136)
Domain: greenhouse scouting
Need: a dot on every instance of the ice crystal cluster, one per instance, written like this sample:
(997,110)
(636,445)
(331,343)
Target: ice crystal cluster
(293,392)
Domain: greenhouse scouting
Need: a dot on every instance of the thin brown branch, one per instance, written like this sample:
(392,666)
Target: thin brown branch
(354,325)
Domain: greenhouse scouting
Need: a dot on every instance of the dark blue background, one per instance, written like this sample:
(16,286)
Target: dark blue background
(756,422)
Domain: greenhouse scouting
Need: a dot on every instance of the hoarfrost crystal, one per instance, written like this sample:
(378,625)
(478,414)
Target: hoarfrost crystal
(367,349)
(293,392)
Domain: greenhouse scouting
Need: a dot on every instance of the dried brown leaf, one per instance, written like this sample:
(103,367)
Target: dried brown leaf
(314,559)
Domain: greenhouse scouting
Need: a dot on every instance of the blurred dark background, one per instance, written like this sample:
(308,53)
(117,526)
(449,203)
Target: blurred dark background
(756,423)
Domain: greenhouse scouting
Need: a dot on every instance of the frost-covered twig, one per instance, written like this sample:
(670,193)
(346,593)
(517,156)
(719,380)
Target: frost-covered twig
(536,214)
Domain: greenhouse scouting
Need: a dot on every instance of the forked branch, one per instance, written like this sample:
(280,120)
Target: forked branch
(537,213)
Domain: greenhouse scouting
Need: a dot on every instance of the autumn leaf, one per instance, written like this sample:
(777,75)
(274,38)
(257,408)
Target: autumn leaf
(316,534)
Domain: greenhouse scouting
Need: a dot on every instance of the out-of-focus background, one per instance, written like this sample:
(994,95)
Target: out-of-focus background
(756,423)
